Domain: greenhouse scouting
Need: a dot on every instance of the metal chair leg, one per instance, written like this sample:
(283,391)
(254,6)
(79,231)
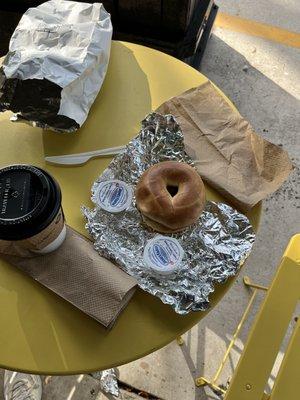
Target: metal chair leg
(205,382)
(248,282)
(202,381)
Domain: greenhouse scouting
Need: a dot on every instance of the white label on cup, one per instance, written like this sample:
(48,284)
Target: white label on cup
(113,196)
(163,254)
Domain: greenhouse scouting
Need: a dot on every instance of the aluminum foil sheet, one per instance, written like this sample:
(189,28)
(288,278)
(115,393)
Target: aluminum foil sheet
(108,381)
(214,247)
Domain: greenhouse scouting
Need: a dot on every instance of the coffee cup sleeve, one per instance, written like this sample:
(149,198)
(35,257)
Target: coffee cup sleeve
(77,273)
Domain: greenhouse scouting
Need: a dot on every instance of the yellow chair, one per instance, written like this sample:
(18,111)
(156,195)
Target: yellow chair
(255,365)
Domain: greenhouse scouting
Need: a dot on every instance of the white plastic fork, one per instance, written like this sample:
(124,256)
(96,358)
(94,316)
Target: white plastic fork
(82,158)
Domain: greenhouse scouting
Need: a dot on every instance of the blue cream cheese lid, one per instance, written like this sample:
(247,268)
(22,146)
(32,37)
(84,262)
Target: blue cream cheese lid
(113,196)
(163,254)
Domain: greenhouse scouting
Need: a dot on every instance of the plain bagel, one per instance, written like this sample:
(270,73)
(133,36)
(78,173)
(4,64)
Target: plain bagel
(171,196)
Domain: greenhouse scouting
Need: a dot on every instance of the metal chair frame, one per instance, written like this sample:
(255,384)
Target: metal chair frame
(265,338)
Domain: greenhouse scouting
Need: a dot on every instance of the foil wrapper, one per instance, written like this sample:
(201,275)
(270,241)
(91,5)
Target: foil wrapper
(214,247)
(108,381)
(56,64)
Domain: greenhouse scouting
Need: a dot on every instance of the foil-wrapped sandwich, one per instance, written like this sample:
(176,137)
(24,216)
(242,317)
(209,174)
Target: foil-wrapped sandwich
(56,64)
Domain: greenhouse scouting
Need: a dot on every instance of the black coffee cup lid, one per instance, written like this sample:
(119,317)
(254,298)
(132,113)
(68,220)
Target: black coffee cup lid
(29,200)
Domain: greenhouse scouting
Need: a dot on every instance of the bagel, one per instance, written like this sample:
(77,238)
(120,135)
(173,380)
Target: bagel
(170,196)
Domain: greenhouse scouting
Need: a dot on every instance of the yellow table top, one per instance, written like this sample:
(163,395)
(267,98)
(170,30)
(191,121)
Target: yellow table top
(40,332)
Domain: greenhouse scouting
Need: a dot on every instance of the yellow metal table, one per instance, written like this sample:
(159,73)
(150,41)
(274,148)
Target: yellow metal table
(40,332)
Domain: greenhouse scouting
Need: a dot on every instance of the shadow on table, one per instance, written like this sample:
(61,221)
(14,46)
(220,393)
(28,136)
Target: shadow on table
(115,116)
(33,325)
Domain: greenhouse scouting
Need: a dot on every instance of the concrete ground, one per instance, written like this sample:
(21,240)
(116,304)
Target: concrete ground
(262,78)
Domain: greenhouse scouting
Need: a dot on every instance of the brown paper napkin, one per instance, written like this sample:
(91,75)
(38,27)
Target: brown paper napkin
(228,154)
(78,274)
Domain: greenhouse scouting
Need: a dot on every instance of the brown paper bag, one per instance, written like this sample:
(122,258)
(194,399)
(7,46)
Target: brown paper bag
(228,154)
(77,273)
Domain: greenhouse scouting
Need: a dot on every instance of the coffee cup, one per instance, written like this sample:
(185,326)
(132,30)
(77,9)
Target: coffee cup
(31,215)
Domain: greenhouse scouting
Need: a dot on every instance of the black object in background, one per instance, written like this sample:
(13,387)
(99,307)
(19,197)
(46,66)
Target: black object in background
(34,100)
(177,27)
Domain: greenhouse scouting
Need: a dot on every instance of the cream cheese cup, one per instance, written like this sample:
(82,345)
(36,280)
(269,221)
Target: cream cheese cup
(113,196)
(31,215)
(163,255)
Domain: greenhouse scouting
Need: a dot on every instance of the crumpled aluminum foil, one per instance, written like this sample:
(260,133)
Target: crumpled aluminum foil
(214,247)
(56,64)
(108,381)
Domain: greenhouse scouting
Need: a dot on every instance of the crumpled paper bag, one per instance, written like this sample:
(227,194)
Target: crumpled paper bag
(228,154)
(56,64)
